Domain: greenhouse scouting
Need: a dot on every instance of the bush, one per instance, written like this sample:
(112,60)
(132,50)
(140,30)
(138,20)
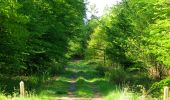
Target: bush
(118,76)
(137,66)
(157,88)
(56,69)
(101,70)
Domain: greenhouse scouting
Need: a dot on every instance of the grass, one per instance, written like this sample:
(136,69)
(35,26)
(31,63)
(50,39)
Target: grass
(2,96)
(84,88)
(88,84)
(121,95)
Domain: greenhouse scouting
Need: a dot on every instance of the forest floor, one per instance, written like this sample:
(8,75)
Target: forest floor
(81,81)
(78,82)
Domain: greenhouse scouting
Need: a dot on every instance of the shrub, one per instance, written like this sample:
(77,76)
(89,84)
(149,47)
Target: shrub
(118,76)
(56,69)
(157,88)
(101,70)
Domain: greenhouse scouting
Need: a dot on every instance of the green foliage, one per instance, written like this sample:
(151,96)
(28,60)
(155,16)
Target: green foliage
(38,37)
(101,70)
(36,34)
(157,87)
(117,76)
(13,34)
(56,69)
(133,34)
(132,39)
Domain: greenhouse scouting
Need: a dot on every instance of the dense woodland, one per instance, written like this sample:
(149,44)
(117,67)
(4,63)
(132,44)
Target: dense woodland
(129,44)
(35,34)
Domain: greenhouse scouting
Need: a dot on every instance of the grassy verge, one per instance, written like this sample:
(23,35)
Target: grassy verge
(88,82)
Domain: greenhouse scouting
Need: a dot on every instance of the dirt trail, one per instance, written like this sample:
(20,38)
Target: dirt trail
(74,86)
(98,95)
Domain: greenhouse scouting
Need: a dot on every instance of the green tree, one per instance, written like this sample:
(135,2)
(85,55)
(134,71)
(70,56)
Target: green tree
(36,33)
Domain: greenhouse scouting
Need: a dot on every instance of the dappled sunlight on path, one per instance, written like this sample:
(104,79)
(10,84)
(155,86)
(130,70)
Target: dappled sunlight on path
(79,82)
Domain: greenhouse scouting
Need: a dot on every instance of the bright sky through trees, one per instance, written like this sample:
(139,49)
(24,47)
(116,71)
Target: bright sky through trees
(100,5)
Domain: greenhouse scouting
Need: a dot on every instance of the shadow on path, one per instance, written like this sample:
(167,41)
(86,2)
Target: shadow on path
(78,81)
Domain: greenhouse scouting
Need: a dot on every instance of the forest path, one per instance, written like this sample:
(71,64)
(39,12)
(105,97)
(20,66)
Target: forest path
(79,82)
(78,90)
